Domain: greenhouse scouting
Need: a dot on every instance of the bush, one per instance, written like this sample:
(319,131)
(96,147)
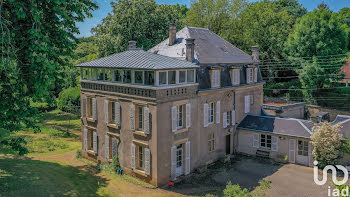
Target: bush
(236,191)
(16,144)
(68,98)
(115,163)
(326,141)
(79,154)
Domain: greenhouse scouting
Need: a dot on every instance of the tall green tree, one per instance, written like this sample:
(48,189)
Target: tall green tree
(141,20)
(320,35)
(36,39)
(217,15)
(344,17)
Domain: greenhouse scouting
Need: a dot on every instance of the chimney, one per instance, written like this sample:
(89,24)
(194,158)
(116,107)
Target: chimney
(255,53)
(172,34)
(190,49)
(132,45)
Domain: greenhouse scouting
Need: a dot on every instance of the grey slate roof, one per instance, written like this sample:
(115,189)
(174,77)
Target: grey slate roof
(138,59)
(209,48)
(282,126)
(344,121)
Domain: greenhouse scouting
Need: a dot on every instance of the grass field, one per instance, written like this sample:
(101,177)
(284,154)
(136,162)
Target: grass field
(51,168)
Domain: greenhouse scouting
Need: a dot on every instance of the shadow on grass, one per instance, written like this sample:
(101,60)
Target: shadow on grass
(40,178)
(242,170)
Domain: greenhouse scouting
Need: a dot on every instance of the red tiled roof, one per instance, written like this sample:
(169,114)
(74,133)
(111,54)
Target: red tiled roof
(346,70)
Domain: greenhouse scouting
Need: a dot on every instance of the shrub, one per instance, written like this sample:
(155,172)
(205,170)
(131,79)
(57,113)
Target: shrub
(68,98)
(236,191)
(16,144)
(79,154)
(115,163)
(327,144)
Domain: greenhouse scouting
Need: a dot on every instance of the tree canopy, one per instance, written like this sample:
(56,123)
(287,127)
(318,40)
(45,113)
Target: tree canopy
(37,38)
(141,20)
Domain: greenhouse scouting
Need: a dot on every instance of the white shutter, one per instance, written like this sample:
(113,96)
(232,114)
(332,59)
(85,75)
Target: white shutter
(224,119)
(256,74)
(309,151)
(218,112)
(236,76)
(107,146)
(132,117)
(274,143)
(117,113)
(205,115)
(133,156)
(233,116)
(217,78)
(85,139)
(94,108)
(114,147)
(247,73)
(255,140)
(83,108)
(95,141)
(173,162)
(188,158)
(247,104)
(147,161)
(146,120)
(106,111)
(173,118)
(188,115)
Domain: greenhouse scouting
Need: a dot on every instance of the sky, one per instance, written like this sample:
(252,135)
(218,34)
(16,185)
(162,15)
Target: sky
(105,8)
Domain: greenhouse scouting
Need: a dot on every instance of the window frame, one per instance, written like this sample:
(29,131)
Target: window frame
(305,148)
(145,78)
(266,138)
(211,142)
(173,71)
(166,78)
(178,126)
(215,73)
(179,161)
(211,108)
(125,80)
(228,118)
(140,157)
(185,76)
(193,76)
(139,117)
(142,77)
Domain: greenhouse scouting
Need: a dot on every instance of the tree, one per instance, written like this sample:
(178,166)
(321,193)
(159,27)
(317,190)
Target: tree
(37,37)
(318,34)
(141,20)
(217,15)
(326,141)
(344,17)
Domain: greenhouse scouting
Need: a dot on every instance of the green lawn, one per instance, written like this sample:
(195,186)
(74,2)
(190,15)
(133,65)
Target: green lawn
(63,119)
(42,178)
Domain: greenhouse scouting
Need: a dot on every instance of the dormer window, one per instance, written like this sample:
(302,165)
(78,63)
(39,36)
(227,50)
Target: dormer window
(235,76)
(215,78)
(252,74)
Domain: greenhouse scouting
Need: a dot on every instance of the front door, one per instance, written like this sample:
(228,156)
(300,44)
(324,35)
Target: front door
(291,150)
(179,160)
(228,142)
(303,153)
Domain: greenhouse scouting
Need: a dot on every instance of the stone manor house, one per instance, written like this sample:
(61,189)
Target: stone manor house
(167,111)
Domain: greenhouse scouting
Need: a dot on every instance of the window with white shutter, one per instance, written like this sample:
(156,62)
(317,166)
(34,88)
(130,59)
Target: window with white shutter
(205,114)
(188,158)
(188,115)
(146,120)
(133,156)
(217,112)
(94,109)
(274,143)
(132,117)
(117,114)
(107,146)
(255,140)
(224,118)
(106,110)
(173,162)
(233,116)
(85,139)
(247,104)
(84,106)
(95,141)
(256,74)
(147,161)
(114,147)
(173,118)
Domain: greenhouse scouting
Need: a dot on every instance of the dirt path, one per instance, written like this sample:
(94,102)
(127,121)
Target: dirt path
(117,186)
